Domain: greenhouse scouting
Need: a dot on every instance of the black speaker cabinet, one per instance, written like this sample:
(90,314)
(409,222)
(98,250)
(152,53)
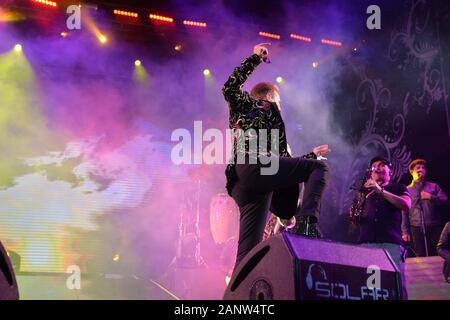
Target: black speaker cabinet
(8,283)
(290,267)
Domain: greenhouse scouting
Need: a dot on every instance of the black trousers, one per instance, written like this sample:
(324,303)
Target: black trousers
(253,193)
(433,234)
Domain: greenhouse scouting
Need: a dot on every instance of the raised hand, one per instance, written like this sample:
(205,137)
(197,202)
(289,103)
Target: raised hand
(406,237)
(373,185)
(321,151)
(261,50)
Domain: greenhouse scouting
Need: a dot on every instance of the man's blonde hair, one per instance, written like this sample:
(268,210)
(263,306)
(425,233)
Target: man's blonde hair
(261,90)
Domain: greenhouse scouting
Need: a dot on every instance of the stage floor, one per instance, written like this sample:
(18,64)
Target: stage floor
(424,279)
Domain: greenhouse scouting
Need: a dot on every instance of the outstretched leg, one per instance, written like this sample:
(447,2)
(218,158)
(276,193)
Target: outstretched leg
(253,216)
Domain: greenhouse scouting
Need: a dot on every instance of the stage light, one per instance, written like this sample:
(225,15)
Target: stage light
(102,39)
(298,37)
(315,64)
(116,257)
(279,79)
(10,16)
(64,34)
(45,2)
(206,72)
(140,75)
(18,48)
(126,13)
(331,42)
(89,6)
(270,35)
(178,47)
(195,23)
(160,18)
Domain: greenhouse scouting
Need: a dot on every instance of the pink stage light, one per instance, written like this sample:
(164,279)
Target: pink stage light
(160,18)
(126,13)
(195,23)
(298,37)
(270,35)
(47,3)
(331,42)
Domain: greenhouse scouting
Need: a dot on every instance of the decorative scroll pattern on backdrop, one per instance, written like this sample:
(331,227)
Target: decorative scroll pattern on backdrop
(413,49)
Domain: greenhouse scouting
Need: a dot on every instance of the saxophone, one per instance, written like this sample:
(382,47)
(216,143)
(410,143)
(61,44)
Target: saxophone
(359,200)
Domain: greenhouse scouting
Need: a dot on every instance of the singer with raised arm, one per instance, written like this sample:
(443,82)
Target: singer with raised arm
(381,215)
(256,184)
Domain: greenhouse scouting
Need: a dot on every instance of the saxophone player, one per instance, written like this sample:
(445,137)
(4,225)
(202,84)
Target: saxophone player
(381,215)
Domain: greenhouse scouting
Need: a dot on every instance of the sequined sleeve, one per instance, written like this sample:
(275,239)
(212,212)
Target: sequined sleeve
(232,89)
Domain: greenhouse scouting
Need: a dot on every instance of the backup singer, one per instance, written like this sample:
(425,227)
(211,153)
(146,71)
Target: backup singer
(424,223)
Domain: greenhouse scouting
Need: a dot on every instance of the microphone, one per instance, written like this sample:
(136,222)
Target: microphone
(265,59)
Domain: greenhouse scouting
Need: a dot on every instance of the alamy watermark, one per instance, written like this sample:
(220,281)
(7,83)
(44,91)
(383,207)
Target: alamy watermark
(374,280)
(374,20)
(73,21)
(73,281)
(251,147)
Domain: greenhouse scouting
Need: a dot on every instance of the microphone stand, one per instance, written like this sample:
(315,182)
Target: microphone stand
(424,231)
(422,216)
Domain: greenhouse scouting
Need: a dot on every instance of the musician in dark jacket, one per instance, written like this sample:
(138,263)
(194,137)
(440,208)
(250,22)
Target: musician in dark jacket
(424,215)
(251,182)
(443,249)
(380,221)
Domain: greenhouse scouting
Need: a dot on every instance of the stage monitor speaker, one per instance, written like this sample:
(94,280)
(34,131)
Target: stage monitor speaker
(8,283)
(290,267)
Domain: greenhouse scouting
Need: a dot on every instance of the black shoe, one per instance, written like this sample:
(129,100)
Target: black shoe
(306,226)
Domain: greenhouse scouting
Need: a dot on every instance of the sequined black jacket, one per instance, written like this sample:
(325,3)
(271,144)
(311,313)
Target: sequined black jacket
(247,113)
